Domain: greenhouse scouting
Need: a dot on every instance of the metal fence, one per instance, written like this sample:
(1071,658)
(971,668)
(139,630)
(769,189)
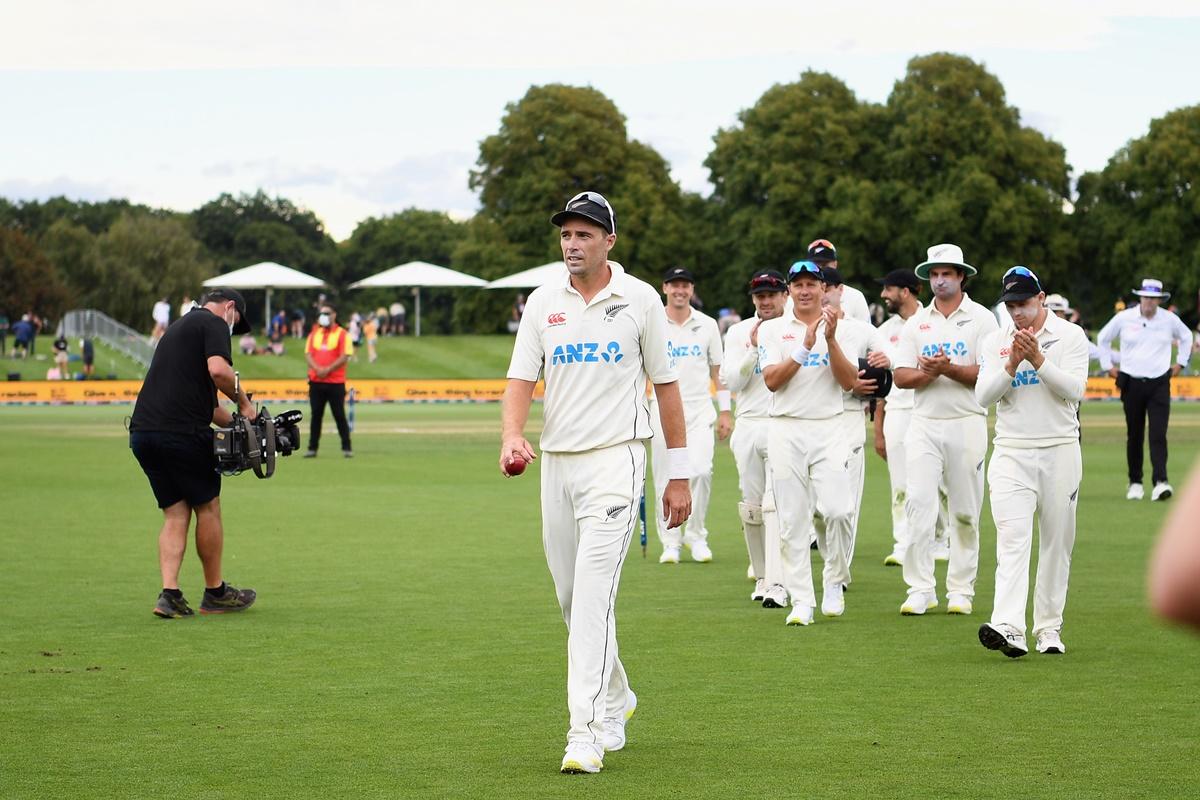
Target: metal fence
(97,325)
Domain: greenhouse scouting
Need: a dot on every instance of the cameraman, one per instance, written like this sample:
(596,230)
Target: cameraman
(170,436)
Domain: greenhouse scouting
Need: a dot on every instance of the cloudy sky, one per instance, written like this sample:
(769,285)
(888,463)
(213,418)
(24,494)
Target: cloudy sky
(366,108)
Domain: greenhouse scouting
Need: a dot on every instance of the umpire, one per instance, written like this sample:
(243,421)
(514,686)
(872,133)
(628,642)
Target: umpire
(170,436)
(1144,379)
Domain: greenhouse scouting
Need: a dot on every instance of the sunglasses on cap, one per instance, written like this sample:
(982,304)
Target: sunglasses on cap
(821,243)
(598,199)
(759,281)
(805,268)
(1024,272)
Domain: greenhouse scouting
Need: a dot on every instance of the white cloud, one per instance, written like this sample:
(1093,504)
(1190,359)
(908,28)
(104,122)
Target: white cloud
(62,186)
(150,34)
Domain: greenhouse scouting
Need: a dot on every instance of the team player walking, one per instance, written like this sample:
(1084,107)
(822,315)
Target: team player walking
(799,371)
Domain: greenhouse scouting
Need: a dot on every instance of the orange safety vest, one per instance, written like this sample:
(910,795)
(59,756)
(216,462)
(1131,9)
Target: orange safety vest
(327,345)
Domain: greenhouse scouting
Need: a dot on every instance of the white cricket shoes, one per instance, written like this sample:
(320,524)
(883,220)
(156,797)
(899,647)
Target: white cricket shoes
(582,757)
(833,604)
(895,559)
(1161,491)
(958,604)
(760,588)
(700,551)
(800,615)
(614,727)
(918,603)
(1136,492)
(670,555)
(1050,643)
(1003,637)
(775,596)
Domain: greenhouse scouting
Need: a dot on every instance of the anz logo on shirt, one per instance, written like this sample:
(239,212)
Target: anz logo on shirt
(587,353)
(1026,377)
(949,348)
(683,351)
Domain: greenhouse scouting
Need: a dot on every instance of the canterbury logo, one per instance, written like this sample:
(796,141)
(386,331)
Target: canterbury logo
(611,311)
(613,511)
(924,326)
(556,319)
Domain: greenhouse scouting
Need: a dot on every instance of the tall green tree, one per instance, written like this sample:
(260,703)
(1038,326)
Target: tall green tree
(35,217)
(560,140)
(141,259)
(28,280)
(1140,216)
(960,167)
(239,231)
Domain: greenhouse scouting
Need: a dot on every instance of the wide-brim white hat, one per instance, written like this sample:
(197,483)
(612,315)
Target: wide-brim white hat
(1056,302)
(1151,287)
(943,255)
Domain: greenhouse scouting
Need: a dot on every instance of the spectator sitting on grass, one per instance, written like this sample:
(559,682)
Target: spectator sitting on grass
(248,345)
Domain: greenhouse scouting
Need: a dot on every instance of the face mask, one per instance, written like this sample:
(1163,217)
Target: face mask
(230,324)
(323,320)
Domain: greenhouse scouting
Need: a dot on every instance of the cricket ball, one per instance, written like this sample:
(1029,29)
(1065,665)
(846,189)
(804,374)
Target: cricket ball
(514,466)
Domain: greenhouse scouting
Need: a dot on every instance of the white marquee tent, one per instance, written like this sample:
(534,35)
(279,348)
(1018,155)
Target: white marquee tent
(417,274)
(266,275)
(530,278)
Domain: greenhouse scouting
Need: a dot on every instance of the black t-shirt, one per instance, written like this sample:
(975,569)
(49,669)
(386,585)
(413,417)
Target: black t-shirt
(178,394)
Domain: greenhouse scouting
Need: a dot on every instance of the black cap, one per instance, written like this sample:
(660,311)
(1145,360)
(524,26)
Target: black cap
(822,250)
(224,295)
(903,278)
(1019,284)
(881,376)
(832,276)
(767,280)
(590,206)
(678,274)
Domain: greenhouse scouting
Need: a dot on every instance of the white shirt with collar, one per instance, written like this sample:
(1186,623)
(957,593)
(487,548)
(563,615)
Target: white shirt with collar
(741,372)
(595,357)
(1145,342)
(959,336)
(695,344)
(813,392)
(898,399)
(1035,407)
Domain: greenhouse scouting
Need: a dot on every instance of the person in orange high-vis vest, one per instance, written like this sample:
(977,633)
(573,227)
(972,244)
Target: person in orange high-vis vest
(327,351)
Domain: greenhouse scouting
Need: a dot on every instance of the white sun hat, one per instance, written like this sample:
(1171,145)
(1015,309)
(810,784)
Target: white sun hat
(943,255)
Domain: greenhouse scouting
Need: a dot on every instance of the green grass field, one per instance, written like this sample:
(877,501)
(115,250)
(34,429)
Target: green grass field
(401,357)
(407,642)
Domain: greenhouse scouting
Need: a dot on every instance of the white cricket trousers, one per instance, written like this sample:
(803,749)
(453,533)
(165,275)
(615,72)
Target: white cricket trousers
(589,514)
(808,469)
(1022,481)
(952,450)
(895,428)
(700,418)
(854,434)
(749,445)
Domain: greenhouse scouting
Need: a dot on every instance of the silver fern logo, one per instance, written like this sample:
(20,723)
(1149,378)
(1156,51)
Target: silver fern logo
(610,312)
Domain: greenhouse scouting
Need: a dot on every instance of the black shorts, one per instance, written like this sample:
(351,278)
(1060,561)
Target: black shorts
(180,466)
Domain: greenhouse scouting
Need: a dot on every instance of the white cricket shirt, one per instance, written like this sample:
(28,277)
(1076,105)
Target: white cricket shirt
(595,357)
(696,347)
(813,392)
(1035,408)
(959,336)
(1145,342)
(741,373)
(898,399)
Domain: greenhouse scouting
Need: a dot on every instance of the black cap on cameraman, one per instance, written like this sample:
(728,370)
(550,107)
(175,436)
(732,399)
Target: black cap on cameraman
(224,295)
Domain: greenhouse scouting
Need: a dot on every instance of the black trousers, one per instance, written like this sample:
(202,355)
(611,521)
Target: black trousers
(319,394)
(1142,398)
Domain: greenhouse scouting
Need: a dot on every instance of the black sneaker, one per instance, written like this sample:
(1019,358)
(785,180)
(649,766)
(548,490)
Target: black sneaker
(232,600)
(169,607)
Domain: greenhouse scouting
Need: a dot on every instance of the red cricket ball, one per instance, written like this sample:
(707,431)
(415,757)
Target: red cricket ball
(514,466)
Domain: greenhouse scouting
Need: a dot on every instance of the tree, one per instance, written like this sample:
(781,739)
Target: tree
(1140,216)
(775,175)
(558,141)
(141,259)
(35,217)
(960,167)
(71,248)
(239,231)
(28,281)
(412,235)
